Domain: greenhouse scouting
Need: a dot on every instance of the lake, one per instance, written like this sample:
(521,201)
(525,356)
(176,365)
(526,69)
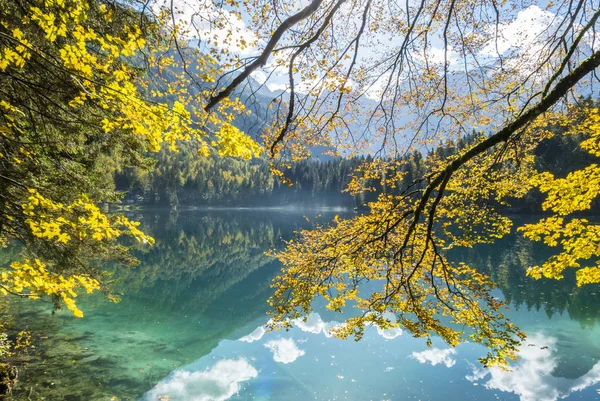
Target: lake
(189,327)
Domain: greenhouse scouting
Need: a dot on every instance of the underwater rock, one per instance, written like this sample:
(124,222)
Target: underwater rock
(8,378)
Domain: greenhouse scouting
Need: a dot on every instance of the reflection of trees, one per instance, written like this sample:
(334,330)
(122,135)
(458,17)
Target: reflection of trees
(206,277)
(506,262)
(199,258)
(10,254)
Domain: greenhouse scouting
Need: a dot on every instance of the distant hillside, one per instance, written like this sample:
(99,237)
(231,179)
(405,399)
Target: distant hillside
(183,178)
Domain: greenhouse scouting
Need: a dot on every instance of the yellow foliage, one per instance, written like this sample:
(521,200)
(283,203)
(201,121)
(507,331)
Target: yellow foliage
(99,62)
(400,244)
(233,142)
(419,286)
(578,237)
(32,278)
(81,219)
(113,85)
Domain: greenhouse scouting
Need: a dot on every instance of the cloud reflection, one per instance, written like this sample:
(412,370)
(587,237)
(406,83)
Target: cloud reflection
(436,356)
(390,333)
(314,324)
(256,335)
(531,378)
(218,383)
(284,350)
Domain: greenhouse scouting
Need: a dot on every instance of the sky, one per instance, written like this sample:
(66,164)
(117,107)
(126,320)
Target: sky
(520,32)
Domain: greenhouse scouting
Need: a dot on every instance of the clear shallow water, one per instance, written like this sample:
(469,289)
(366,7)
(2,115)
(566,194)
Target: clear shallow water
(189,327)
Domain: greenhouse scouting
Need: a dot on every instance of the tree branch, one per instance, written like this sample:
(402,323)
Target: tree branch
(560,90)
(262,59)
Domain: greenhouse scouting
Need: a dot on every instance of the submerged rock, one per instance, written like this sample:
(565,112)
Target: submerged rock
(8,378)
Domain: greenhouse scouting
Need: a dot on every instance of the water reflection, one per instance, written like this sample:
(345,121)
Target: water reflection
(506,261)
(218,383)
(256,335)
(191,326)
(206,278)
(284,350)
(435,355)
(307,362)
(558,361)
(532,377)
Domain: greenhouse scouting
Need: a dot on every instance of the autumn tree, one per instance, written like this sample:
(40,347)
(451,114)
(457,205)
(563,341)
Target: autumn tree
(84,91)
(393,77)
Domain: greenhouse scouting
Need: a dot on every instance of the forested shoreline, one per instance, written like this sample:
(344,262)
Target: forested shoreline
(183,179)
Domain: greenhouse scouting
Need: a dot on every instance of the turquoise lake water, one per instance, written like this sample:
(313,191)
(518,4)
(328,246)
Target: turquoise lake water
(190,328)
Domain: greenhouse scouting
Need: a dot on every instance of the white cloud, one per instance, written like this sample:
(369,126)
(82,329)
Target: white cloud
(280,60)
(284,350)
(198,19)
(589,379)
(376,88)
(314,324)
(218,383)
(524,39)
(436,356)
(273,87)
(436,55)
(259,76)
(525,32)
(256,335)
(531,378)
(593,40)
(234,36)
(305,86)
(389,334)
